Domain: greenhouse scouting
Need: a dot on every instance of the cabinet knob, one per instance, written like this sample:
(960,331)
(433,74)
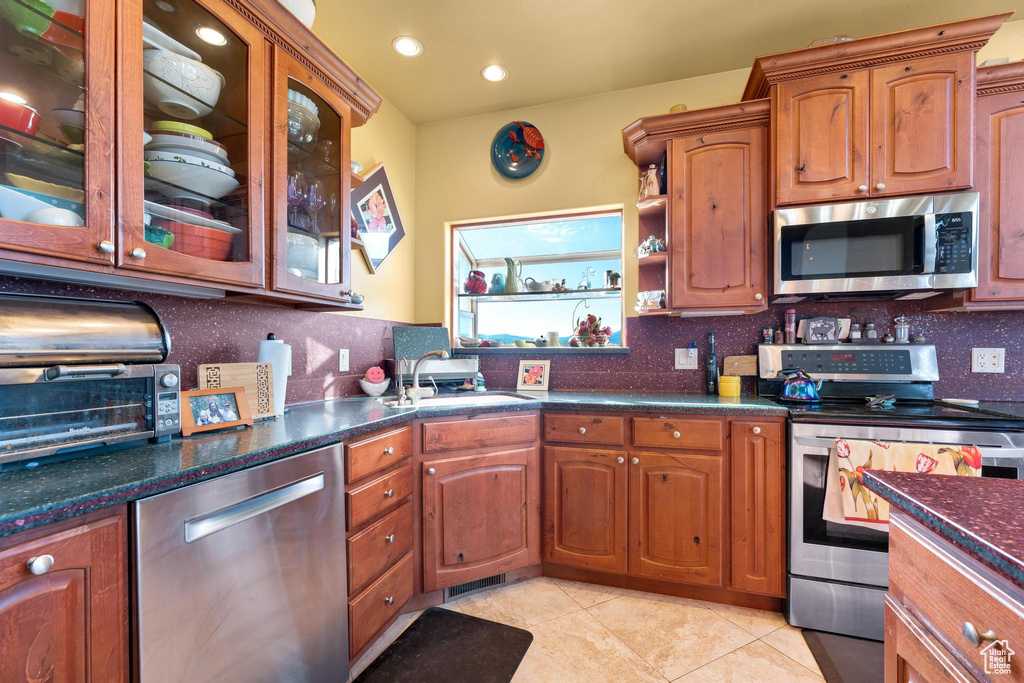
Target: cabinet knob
(756,430)
(42,564)
(389,539)
(583,430)
(974,638)
(676,435)
(106,246)
(620,460)
(758,296)
(137,252)
(390,600)
(635,461)
(390,493)
(862,188)
(390,450)
(430,470)
(880,186)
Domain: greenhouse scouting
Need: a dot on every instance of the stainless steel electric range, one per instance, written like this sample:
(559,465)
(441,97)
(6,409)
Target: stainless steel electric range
(838,573)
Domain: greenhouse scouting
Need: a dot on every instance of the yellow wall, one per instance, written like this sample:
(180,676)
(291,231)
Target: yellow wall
(1007,42)
(584,166)
(389,137)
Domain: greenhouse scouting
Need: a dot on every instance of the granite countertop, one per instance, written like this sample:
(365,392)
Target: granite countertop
(979,514)
(36,496)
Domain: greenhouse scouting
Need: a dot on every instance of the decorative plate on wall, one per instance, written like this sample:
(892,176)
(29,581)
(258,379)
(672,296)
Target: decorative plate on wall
(517,150)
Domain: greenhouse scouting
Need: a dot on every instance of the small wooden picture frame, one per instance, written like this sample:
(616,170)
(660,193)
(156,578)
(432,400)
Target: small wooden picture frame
(534,375)
(821,330)
(206,410)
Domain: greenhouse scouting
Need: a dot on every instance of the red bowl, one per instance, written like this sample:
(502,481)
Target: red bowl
(195,240)
(19,117)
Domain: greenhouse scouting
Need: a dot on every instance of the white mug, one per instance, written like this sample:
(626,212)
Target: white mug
(552,338)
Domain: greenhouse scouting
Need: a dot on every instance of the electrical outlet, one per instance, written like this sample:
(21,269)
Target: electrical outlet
(988,360)
(343,360)
(686,359)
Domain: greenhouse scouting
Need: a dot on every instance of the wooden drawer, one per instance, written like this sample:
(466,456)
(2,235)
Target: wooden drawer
(585,429)
(912,654)
(374,497)
(948,589)
(679,432)
(453,435)
(377,547)
(365,457)
(375,606)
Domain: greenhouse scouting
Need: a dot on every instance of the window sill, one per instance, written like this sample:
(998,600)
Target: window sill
(555,350)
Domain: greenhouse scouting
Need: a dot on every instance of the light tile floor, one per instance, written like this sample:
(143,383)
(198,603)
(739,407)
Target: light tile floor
(585,632)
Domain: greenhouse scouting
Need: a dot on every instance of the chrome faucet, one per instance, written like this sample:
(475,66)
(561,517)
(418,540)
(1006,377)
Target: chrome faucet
(415,392)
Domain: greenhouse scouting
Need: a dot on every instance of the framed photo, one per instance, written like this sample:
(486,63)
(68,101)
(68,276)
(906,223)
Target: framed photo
(205,410)
(534,375)
(378,224)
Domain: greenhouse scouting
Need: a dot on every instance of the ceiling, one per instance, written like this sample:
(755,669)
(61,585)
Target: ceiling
(557,50)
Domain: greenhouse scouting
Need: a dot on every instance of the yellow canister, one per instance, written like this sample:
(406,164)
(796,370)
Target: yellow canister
(729,385)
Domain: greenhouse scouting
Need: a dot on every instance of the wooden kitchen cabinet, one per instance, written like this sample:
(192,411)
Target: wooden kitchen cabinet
(68,623)
(922,125)
(677,508)
(585,508)
(481,515)
(758,516)
(821,137)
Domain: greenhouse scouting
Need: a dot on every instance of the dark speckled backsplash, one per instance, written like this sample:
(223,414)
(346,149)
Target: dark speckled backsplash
(208,331)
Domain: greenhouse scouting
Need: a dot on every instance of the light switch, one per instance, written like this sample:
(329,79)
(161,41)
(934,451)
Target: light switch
(686,359)
(343,360)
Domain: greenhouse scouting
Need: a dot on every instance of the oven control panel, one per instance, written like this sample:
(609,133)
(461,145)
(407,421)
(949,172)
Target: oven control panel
(167,417)
(953,242)
(880,361)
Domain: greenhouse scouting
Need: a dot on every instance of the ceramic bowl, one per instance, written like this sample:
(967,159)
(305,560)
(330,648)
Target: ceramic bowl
(20,117)
(522,344)
(178,144)
(194,240)
(303,253)
(18,205)
(187,159)
(51,215)
(72,124)
(162,237)
(303,124)
(304,10)
(179,128)
(374,388)
(179,86)
(155,38)
(204,182)
(42,187)
(28,16)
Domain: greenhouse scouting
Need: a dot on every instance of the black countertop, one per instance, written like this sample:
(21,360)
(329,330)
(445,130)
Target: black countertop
(36,496)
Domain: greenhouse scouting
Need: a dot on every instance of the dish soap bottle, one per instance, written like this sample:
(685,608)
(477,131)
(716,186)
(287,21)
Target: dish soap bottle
(712,366)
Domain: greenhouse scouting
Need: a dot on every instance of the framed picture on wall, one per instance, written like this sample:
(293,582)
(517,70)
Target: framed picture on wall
(378,224)
(534,375)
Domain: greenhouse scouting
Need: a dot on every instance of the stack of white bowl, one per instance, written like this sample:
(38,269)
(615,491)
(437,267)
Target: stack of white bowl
(175,80)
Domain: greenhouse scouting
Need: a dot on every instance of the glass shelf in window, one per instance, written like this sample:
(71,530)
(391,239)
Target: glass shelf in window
(546,296)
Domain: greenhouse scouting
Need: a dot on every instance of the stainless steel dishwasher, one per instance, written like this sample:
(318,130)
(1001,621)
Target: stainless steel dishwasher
(242,578)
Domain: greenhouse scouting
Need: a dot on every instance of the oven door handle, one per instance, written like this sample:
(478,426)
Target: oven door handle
(72,371)
(987,452)
(929,235)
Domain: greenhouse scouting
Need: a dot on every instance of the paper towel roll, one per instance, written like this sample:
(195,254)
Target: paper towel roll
(279,355)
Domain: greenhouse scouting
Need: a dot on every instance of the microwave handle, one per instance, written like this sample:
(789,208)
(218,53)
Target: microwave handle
(60,371)
(929,235)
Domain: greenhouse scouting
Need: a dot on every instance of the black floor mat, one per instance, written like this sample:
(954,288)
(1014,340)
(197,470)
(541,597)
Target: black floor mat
(844,659)
(443,646)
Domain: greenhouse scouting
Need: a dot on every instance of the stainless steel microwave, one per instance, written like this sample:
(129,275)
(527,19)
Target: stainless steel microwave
(908,246)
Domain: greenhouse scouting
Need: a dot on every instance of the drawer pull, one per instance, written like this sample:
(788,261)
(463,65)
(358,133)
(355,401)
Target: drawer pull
(390,450)
(676,435)
(583,430)
(389,539)
(390,600)
(974,638)
(620,460)
(635,461)
(756,430)
(40,565)
(431,470)
(390,493)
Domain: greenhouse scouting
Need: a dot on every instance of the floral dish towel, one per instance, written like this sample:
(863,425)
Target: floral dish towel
(848,501)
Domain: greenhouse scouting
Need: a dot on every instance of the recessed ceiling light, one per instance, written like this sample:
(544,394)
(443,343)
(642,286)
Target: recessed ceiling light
(494,72)
(211,36)
(11,97)
(165,6)
(407,46)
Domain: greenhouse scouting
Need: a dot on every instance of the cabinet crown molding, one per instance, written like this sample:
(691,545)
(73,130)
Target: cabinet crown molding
(956,36)
(637,136)
(999,78)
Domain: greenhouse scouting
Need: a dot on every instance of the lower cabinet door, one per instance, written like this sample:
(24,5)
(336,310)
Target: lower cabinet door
(481,516)
(585,499)
(677,507)
(758,482)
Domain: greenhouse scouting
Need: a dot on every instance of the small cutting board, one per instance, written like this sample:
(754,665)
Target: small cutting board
(745,366)
(257,378)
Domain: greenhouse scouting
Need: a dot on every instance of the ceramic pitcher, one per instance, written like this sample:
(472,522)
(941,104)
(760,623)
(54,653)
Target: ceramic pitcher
(513,285)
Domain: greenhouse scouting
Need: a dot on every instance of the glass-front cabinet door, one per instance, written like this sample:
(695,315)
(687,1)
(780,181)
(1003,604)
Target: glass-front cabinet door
(56,128)
(193,87)
(311,184)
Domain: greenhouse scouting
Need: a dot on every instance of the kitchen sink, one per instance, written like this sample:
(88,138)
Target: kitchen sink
(465,400)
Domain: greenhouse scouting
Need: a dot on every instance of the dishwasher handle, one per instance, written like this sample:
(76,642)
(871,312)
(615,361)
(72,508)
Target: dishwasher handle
(204,525)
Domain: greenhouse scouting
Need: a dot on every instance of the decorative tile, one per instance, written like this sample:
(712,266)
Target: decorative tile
(590,594)
(577,648)
(789,640)
(523,604)
(754,621)
(675,635)
(754,662)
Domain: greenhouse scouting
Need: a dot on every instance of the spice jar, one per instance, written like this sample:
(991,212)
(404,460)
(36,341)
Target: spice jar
(790,326)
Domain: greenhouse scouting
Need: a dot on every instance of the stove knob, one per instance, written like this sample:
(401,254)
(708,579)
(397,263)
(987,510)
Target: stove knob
(169,380)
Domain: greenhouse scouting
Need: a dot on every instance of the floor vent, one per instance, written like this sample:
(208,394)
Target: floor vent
(464,589)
